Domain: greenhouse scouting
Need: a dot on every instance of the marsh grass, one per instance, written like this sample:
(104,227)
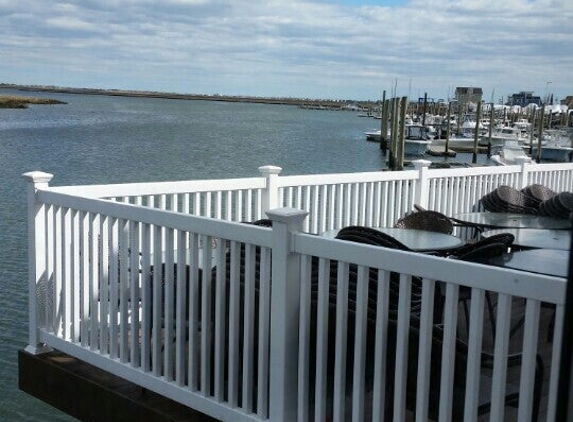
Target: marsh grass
(14,101)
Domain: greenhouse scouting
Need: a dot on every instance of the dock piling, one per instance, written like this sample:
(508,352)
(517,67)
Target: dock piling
(476,134)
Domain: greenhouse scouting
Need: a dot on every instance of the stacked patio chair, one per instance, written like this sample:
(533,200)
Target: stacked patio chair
(538,193)
(454,222)
(369,236)
(426,220)
(470,247)
(559,206)
(508,199)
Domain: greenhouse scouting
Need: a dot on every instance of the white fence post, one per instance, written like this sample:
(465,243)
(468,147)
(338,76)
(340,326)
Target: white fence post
(423,191)
(285,303)
(524,179)
(270,198)
(36,255)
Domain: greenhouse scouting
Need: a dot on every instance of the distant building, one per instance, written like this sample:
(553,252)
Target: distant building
(523,98)
(466,94)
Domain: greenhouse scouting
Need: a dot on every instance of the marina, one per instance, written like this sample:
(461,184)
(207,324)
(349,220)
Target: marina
(506,138)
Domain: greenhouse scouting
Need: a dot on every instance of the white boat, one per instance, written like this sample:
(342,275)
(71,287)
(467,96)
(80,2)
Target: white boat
(466,130)
(416,147)
(555,146)
(462,139)
(510,154)
(455,142)
(557,153)
(373,135)
(417,140)
(500,137)
(522,125)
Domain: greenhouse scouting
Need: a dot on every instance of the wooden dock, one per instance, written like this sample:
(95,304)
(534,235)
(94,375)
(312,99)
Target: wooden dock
(94,395)
(436,151)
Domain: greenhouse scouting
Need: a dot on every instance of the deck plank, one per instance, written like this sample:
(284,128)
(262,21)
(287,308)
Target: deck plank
(93,395)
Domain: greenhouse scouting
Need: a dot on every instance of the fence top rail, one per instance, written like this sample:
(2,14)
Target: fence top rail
(176,187)
(472,171)
(159,188)
(338,178)
(496,170)
(380,176)
(512,282)
(549,166)
(239,232)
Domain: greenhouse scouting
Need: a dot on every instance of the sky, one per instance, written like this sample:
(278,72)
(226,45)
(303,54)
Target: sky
(328,49)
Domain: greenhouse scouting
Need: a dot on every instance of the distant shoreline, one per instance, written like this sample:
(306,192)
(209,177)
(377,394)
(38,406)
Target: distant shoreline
(302,102)
(17,101)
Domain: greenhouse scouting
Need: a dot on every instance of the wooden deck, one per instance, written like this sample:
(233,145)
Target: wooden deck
(93,395)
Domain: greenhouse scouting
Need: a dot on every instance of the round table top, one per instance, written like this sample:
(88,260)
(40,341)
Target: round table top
(501,219)
(536,238)
(417,240)
(552,262)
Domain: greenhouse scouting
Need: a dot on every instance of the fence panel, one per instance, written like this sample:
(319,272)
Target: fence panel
(159,307)
(370,349)
(335,200)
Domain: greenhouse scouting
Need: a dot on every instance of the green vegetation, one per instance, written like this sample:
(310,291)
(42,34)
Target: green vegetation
(13,101)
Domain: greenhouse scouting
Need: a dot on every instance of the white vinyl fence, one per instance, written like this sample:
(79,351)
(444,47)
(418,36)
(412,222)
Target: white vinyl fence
(333,201)
(249,323)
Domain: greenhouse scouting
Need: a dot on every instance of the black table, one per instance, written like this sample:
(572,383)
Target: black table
(505,220)
(417,240)
(552,262)
(536,238)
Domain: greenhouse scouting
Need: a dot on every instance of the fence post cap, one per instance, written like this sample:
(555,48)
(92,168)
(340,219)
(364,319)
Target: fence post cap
(270,169)
(37,177)
(287,215)
(418,164)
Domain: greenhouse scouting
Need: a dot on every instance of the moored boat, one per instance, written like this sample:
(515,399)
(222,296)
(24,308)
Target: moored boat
(511,153)
(417,140)
(555,146)
(456,142)
(501,137)
(373,135)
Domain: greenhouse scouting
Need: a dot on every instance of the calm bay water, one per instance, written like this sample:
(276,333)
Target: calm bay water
(98,139)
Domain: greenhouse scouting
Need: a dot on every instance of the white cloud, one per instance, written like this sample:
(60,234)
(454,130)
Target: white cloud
(300,48)
(189,2)
(70,23)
